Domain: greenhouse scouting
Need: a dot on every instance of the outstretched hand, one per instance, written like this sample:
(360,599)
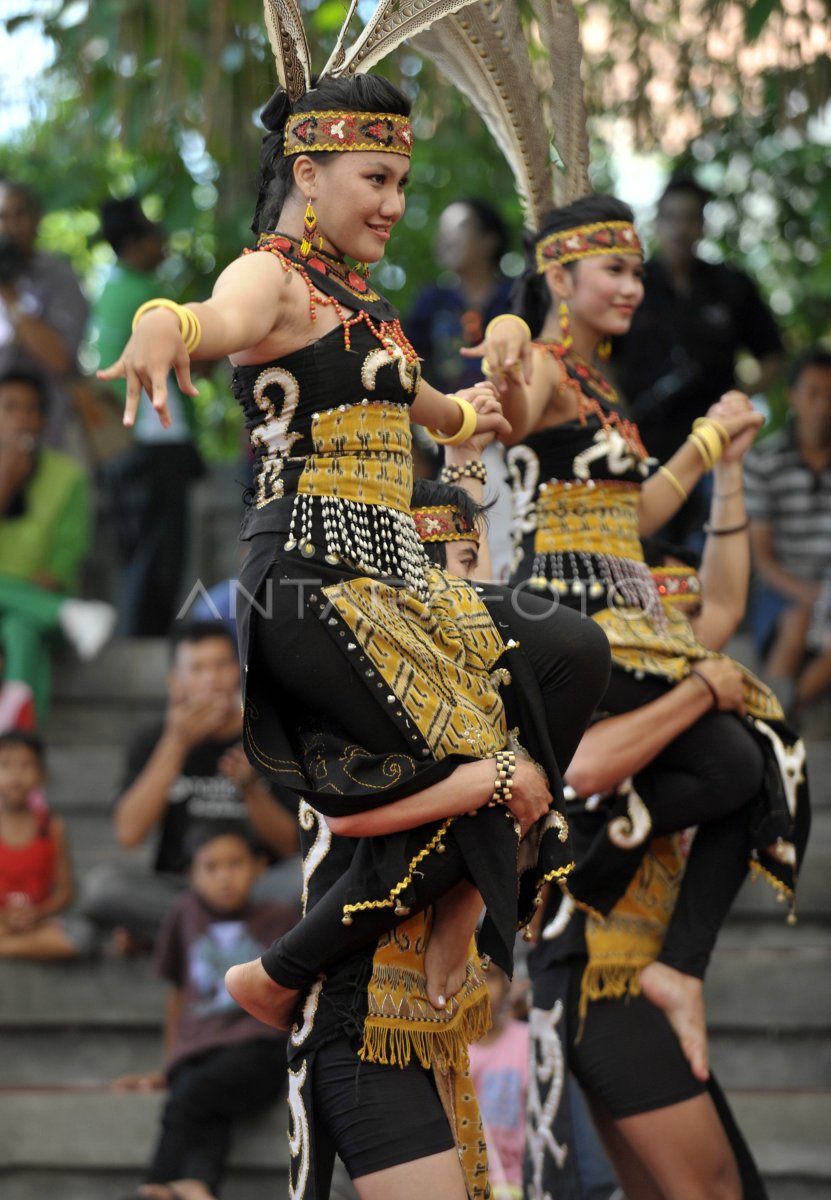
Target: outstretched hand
(507,351)
(155,349)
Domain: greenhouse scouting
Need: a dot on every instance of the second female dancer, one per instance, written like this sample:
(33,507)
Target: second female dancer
(376,687)
(585,492)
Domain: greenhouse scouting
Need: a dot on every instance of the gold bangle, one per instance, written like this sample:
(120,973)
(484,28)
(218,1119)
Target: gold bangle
(713,439)
(466,429)
(721,430)
(707,440)
(508,317)
(709,455)
(189,326)
(675,482)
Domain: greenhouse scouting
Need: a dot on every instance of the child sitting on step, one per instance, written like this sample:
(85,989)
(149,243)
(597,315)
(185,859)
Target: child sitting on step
(222,1065)
(35,870)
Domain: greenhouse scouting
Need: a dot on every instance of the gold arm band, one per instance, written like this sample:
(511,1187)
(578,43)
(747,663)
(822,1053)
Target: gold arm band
(466,430)
(189,326)
(508,317)
(674,482)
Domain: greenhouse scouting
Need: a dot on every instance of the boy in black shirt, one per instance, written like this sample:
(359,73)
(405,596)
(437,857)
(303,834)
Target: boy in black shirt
(189,769)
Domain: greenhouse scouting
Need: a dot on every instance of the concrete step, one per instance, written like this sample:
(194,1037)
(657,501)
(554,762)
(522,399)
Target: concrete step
(99,1129)
(770,990)
(749,1060)
(109,993)
(99,1142)
(72,1056)
(788,1133)
(126,669)
(83,778)
(106,1131)
(109,722)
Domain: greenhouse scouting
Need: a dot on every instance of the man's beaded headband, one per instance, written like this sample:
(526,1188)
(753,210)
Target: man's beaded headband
(443,523)
(586,241)
(331,130)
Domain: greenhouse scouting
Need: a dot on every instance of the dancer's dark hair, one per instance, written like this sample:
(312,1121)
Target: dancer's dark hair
(531,299)
(359,93)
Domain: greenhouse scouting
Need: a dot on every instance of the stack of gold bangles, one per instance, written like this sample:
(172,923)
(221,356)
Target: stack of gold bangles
(189,326)
(710,438)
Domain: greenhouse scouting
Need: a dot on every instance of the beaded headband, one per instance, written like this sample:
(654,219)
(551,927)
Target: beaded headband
(443,523)
(333,130)
(586,241)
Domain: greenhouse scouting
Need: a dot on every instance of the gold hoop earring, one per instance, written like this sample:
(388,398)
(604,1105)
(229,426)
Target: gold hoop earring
(309,229)
(565,326)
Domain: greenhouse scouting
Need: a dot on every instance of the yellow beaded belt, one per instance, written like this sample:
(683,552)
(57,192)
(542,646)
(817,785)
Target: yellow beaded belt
(588,518)
(361,453)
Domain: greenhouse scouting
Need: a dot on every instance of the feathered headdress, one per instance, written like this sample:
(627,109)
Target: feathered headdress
(391,23)
(484,51)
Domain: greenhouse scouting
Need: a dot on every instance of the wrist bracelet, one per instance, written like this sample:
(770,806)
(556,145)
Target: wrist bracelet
(505,767)
(707,685)
(675,482)
(474,468)
(708,529)
(507,317)
(726,495)
(189,326)
(722,430)
(465,431)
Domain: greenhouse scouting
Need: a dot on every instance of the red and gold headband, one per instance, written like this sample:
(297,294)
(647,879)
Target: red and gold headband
(332,130)
(443,523)
(586,241)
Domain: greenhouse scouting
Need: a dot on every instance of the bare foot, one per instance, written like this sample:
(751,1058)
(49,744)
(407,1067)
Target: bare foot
(680,998)
(454,922)
(258,994)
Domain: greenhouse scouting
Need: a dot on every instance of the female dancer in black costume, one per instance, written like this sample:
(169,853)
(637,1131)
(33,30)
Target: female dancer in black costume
(371,681)
(585,491)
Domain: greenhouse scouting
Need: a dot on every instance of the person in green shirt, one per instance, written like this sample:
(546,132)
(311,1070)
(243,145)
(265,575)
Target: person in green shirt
(147,486)
(44,534)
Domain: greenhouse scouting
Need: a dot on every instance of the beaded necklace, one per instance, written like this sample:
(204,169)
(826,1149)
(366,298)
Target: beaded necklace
(325,277)
(593,394)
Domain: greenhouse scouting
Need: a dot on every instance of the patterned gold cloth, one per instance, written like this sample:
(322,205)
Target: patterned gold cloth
(401,1023)
(631,937)
(436,656)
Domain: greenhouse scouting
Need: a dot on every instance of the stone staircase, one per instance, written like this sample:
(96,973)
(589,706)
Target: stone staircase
(66,1030)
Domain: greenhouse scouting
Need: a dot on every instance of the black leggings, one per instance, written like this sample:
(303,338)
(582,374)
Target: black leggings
(707,776)
(569,656)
